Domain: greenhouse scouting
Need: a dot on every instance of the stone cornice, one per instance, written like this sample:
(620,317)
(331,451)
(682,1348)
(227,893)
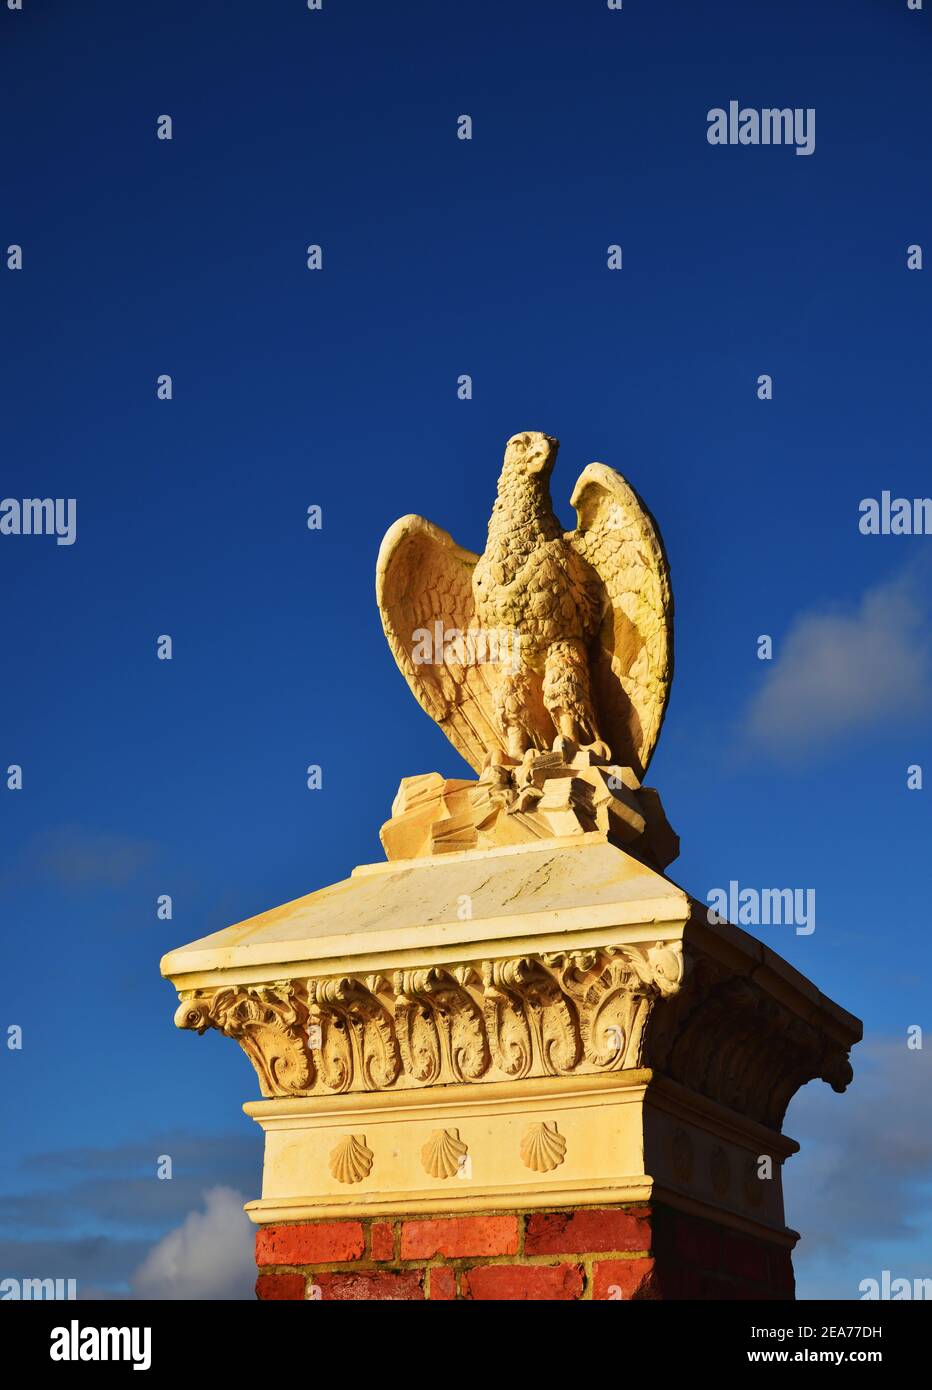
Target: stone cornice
(577,1013)
(622,971)
(495,1019)
(401,914)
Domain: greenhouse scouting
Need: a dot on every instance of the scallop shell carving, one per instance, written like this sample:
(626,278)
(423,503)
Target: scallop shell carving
(543,1148)
(350,1160)
(443,1154)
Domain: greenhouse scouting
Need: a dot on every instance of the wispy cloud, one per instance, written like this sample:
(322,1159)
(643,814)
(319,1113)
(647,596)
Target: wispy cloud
(99,1262)
(80,857)
(197,1153)
(837,672)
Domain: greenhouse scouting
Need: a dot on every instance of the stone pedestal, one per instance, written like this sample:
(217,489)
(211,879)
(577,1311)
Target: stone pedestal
(529,1072)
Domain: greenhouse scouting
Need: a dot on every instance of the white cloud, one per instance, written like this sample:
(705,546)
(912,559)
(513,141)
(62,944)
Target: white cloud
(209,1256)
(840,672)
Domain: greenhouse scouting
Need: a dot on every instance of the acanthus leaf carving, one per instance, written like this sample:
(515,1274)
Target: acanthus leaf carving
(441,1027)
(508,1029)
(358,1041)
(616,1001)
(609,1008)
(268,1021)
(549,1016)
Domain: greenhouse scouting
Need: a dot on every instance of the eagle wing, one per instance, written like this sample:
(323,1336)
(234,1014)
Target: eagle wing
(631,660)
(424,578)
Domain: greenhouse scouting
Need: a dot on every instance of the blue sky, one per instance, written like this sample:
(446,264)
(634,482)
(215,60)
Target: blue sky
(291,387)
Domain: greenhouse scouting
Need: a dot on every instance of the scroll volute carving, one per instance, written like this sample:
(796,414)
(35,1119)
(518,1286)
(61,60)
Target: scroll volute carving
(531,1016)
(506,1023)
(610,1008)
(269,1023)
(616,1001)
(439,1026)
(511,1018)
(352,1035)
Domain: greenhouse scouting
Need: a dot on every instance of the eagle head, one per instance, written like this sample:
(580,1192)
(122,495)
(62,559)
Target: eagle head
(530,453)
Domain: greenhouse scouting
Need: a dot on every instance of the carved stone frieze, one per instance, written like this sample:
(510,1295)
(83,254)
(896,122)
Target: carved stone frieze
(614,1008)
(484,1020)
(549,1026)
(615,991)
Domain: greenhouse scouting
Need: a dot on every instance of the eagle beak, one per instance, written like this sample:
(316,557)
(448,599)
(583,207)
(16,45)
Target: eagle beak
(541,460)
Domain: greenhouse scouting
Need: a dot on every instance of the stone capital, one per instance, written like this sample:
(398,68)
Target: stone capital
(556,1018)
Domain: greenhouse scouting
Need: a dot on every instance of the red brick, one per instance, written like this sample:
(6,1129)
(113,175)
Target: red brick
(545,1283)
(586,1230)
(456,1236)
(745,1259)
(700,1242)
(442,1284)
(321,1242)
(280,1286)
(381,1285)
(383,1241)
(625,1279)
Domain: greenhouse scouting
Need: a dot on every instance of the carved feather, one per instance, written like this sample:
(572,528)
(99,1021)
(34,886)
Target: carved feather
(423,578)
(631,661)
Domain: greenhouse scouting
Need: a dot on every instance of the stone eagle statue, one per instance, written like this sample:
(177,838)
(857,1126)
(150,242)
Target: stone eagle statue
(546,640)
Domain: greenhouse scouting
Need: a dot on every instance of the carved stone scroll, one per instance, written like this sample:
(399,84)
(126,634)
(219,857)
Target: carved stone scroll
(270,1024)
(615,1008)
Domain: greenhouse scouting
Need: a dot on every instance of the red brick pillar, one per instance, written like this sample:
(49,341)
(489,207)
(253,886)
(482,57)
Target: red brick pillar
(622,1252)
